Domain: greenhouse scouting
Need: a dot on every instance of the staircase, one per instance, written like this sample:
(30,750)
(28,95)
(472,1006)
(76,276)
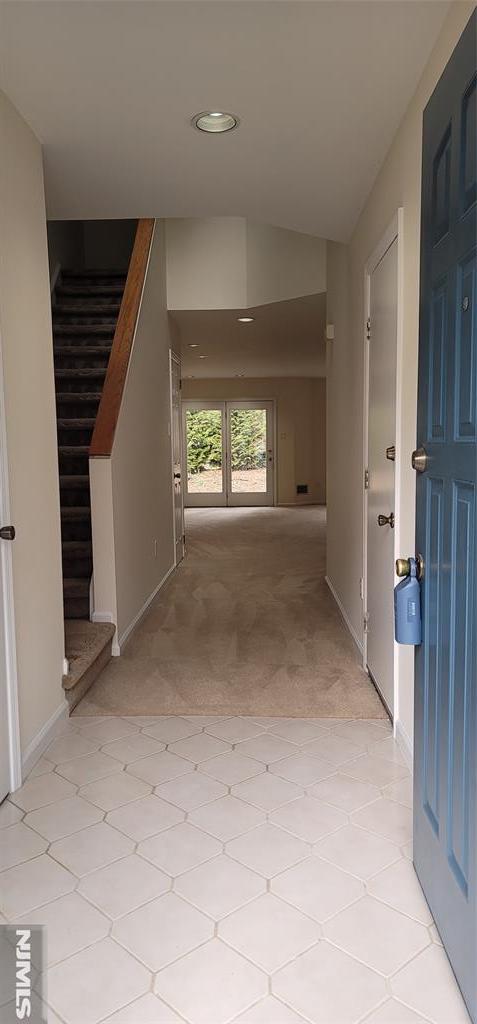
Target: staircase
(85,310)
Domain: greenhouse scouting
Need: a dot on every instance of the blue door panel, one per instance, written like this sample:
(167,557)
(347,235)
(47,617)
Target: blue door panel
(445,769)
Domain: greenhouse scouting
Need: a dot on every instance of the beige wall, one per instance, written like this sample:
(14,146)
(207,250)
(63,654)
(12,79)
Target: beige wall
(25,325)
(301,427)
(131,493)
(397,185)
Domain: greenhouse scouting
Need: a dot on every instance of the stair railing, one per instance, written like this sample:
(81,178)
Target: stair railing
(107,417)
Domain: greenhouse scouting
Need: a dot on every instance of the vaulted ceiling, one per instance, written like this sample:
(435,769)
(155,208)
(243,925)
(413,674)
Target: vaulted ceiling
(110,88)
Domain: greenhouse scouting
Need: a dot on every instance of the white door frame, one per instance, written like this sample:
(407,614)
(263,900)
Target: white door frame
(6,568)
(173,358)
(393,232)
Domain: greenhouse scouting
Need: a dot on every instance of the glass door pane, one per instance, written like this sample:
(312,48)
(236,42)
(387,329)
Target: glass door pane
(248,450)
(250,453)
(204,452)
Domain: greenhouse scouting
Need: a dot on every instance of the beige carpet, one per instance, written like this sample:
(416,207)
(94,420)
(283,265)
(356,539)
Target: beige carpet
(246,625)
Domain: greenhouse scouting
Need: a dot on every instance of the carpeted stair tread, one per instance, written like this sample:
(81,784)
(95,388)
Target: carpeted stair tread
(78,396)
(74,480)
(85,329)
(75,586)
(73,449)
(73,351)
(94,291)
(67,275)
(87,650)
(75,423)
(75,512)
(80,372)
(77,548)
(93,309)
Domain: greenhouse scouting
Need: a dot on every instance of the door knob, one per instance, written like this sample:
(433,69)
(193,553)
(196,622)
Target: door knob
(386,520)
(403,567)
(177,476)
(7,533)
(419,460)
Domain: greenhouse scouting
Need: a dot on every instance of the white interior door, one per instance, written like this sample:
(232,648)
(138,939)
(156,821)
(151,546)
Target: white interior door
(381,489)
(250,453)
(176,443)
(4,708)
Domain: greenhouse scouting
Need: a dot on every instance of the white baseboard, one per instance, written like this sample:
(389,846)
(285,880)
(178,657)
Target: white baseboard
(43,738)
(404,744)
(122,640)
(357,640)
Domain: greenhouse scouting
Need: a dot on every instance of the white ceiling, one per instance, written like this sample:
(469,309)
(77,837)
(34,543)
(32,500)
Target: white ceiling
(284,340)
(110,87)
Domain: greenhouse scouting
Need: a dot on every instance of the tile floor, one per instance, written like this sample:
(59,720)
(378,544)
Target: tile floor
(215,870)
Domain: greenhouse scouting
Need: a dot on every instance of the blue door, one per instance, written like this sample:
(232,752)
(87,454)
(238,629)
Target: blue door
(445,778)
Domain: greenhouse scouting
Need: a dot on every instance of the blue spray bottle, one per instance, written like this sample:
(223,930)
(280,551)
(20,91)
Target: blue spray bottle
(407,607)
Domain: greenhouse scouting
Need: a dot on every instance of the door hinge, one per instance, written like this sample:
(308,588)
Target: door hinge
(366,479)
(366,623)
(368,328)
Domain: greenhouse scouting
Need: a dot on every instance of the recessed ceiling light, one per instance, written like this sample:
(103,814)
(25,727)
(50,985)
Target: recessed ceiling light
(193,344)
(245,319)
(214,121)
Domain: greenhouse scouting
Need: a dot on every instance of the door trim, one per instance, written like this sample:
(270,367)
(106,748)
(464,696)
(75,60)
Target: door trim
(174,358)
(6,562)
(393,232)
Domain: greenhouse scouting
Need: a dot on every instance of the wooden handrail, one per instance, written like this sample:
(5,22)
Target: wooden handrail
(110,404)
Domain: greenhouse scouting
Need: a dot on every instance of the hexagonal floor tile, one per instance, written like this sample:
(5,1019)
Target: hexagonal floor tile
(32,884)
(200,747)
(267,791)
(377,935)
(214,983)
(401,792)
(160,932)
(266,748)
(160,767)
(304,769)
(114,791)
(336,750)
(9,814)
(148,1009)
(268,850)
(40,791)
(428,985)
(71,924)
(269,1011)
(309,819)
(145,817)
(191,791)
(359,852)
(95,983)
(297,730)
(124,886)
(179,849)
(376,770)
(132,748)
(65,748)
(169,730)
(227,818)
(399,887)
(232,768)
(83,770)
(269,932)
(233,730)
(91,848)
(317,888)
(109,729)
(363,731)
(220,886)
(393,1012)
(344,792)
(63,818)
(19,843)
(327,985)
(386,818)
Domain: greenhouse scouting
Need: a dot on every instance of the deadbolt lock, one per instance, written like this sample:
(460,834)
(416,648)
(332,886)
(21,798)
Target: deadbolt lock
(419,460)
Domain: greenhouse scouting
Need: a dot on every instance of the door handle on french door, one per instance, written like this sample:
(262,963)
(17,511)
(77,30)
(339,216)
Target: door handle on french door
(386,520)
(419,460)
(7,533)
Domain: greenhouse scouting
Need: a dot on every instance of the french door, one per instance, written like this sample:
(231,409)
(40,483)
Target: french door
(445,772)
(229,452)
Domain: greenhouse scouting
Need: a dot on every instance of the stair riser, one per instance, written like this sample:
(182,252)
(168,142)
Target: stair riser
(76,608)
(76,531)
(79,568)
(76,409)
(81,385)
(75,496)
(70,464)
(89,361)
